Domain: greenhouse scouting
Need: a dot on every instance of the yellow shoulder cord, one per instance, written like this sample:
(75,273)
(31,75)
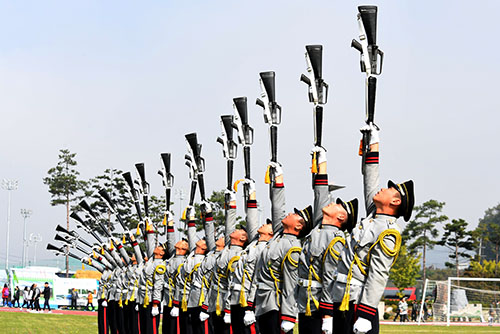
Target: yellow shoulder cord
(312,273)
(292,262)
(344,306)
(204,284)
(389,252)
(136,285)
(217,304)
(230,267)
(243,300)
(188,279)
(120,302)
(330,250)
(146,297)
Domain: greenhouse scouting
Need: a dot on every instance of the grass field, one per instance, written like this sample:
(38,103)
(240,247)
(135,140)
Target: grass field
(22,323)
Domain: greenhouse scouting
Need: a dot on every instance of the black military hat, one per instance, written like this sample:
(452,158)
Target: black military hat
(352,213)
(406,191)
(306,214)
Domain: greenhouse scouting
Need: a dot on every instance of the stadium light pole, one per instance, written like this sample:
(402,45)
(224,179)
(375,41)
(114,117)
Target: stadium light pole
(35,238)
(26,213)
(8,185)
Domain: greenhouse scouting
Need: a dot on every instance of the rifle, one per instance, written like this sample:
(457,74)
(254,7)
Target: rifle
(198,160)
(73,235)
(144,187)
(229,150)
(193,175)
(85,206)
(135,195)
(245,135)
(371,59)
(318,94)
(83,224)
(112,207)
(272,115)
(69,242)
(65,251)
(168,183)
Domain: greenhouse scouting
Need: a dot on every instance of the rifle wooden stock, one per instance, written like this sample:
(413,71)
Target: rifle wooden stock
(268,79)
(85,206)
(241,107)
(369,18)
(316,56)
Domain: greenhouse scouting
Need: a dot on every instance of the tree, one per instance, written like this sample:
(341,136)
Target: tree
(64,184)
(459,241)
(490,225)
(405,271)
(422,230)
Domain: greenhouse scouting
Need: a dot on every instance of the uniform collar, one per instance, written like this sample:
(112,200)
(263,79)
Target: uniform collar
(384,215)
(329,227)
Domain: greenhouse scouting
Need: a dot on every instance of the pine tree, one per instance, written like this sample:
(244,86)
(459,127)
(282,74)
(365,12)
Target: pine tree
(64,184)
(421,232)
(459,241)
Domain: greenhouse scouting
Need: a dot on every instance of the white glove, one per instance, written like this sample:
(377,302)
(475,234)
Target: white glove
(155,310)
(206,206)
(362,326)
(287,326)
(327,326)
(373,129)
(203,316)
(227,318)
(136,308)
(232,195)
(278,169)
(174,312)
(320,154)
(104,304)
(251,185)
(249,318)
(190,212)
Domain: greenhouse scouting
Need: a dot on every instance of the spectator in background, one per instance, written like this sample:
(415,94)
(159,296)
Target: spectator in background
(17,295)
(5,295)
(74,298)
(36,299)
(46,296)
(414,311)
(26,299)
(403,310)
(90,298)
(31,295)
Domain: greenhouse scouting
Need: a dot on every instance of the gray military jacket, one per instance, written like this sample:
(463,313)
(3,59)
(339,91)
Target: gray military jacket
(371,250)
(199,282)
(318,260)
(241,271)
(103,284)
(173,267)
(277,273)
(153,276)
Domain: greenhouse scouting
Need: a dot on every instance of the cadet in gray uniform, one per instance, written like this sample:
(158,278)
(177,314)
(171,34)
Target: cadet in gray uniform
(208,291)
(234,241)
(320,252)
(174,264)
(196,276)
(182,281)
(154,275)
(277,269)
(363,269)
(240,273)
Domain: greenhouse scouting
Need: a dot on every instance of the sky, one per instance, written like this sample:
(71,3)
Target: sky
(119,82)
